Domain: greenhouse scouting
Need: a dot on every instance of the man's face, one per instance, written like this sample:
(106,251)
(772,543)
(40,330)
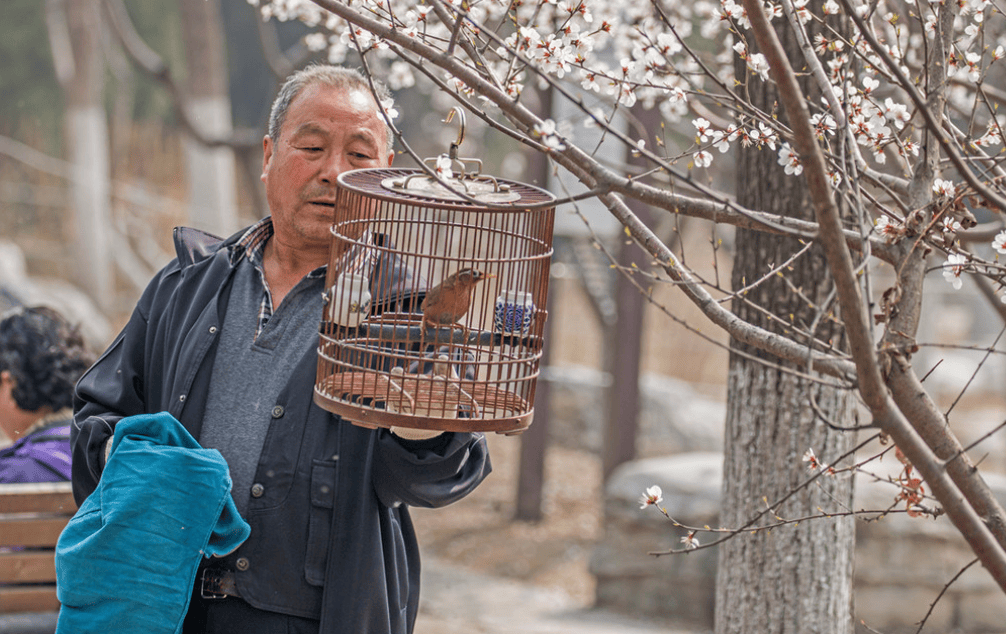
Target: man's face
(327,131)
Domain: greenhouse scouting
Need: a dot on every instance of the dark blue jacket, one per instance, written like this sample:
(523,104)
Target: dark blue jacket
(331,535)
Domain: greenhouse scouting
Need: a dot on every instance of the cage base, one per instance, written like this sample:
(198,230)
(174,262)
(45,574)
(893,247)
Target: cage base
(373,418)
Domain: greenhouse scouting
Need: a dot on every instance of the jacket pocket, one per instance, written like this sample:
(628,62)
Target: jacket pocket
(324,477)
(400,579)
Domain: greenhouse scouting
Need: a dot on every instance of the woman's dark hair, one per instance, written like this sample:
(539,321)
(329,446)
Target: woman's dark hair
(45,356)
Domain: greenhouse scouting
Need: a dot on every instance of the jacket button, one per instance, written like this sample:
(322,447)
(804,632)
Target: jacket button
(181,398)
(277,412)
(242,563)
(213,330)
(257,490)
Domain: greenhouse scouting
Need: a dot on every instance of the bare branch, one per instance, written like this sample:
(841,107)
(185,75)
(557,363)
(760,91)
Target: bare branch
(147,60)
(280,62)
(943,591)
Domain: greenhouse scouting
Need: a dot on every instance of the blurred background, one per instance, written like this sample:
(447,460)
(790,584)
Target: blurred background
(122,119)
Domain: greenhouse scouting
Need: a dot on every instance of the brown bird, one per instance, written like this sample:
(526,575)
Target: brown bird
(449,301)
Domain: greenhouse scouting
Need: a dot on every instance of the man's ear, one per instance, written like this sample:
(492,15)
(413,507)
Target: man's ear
(391,157)
(266,155)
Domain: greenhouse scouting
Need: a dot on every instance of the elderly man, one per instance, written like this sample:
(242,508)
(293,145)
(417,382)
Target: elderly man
(224,339)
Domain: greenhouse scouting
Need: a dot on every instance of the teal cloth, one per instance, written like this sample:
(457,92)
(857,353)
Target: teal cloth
(127,560)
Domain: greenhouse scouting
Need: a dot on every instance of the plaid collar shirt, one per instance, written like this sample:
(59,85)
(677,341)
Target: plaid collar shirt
(252,246)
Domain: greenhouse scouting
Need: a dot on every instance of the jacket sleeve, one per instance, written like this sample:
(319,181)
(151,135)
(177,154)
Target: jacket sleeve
(429,473)
(110,390)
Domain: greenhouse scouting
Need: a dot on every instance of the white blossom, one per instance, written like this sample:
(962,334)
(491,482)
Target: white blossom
(444,165)
(953,268)
(720,141)
(546,130)
(651,497)
(701,128)
(943,187)
(315,42)
(896,112)
(790,159)
(758,64)
(999,242)
(388,106)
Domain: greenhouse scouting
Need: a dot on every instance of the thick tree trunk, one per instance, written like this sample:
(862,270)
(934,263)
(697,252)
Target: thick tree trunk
(794,579)
(210,171)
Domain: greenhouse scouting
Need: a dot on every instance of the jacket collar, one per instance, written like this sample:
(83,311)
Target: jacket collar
(194,245)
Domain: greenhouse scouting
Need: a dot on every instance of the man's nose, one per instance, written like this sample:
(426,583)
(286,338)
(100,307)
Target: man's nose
(336,163)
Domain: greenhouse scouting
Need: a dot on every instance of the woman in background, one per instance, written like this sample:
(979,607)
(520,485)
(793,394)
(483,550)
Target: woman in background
(41,358)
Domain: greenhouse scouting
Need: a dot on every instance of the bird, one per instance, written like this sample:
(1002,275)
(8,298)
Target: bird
(449,301)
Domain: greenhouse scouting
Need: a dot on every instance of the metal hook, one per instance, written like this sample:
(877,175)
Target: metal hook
(461,130)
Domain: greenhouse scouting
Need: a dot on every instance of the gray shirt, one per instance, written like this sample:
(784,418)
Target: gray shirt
(249,371)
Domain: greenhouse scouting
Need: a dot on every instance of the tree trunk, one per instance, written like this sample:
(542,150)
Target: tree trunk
(534,441)
(798,578)
(86,132)
(210,171)
(624,339)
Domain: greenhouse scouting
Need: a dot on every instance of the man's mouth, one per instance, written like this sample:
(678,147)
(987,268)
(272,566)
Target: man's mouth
(322,203)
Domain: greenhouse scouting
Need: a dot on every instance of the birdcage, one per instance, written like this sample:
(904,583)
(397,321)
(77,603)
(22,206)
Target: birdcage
(435,304)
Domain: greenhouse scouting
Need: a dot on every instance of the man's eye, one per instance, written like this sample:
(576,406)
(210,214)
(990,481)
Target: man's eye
(311,149)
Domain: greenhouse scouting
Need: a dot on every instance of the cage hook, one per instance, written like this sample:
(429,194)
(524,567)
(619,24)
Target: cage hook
(453,155)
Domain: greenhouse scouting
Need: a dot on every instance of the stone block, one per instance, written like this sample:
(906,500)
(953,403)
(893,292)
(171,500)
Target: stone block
(674,417)
(902,563)
(898,610)
(982,611)
(631,579)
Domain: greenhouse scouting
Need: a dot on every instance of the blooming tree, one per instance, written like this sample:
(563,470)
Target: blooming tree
(899,156)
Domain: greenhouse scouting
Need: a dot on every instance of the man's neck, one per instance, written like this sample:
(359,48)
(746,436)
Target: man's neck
(284,267)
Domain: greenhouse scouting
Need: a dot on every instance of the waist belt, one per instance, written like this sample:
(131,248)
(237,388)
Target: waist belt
(217,583)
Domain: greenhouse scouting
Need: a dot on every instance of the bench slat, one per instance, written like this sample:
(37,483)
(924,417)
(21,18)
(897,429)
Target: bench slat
(34,599)
(32,516)
(48,497)
(34,531)
(27,566)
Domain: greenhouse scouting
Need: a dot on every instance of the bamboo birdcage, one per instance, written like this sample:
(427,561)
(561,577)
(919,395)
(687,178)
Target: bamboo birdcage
(397,234)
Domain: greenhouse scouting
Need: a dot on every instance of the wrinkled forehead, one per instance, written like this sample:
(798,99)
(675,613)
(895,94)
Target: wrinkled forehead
(350,104)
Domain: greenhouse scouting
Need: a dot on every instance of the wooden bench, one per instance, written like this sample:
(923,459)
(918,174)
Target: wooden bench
(31,518)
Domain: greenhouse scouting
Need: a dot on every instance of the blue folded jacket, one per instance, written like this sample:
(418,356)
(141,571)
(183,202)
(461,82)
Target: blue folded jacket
(127,560)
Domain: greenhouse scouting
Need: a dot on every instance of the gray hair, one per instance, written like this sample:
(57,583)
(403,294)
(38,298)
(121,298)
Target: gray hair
(329,75)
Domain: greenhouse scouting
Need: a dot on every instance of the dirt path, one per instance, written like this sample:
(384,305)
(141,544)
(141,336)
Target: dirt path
(457,600)
(484,573)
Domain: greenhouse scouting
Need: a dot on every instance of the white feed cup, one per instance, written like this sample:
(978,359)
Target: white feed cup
(349,300)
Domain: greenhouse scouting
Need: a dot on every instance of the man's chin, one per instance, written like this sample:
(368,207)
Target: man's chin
(306,235)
